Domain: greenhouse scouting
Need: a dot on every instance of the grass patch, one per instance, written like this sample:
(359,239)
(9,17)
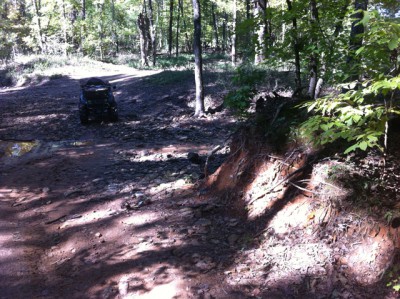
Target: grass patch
(170,77)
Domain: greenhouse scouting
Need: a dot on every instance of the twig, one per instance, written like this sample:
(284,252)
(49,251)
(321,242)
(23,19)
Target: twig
(301,188)
(279,183)
(55,220)
(322,182)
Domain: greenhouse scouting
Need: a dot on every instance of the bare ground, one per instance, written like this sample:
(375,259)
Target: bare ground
(116,210)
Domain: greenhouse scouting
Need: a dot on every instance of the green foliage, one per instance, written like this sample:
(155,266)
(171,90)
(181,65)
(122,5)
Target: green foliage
(357,116)
(394,278)
(245,82)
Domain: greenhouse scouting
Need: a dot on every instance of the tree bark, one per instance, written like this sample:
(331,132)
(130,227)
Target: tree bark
(152,33)
(233,51)
(198,71)
(215,27)
(356,38)
(171,14)
(38,6)
(259,15)
(296,49)
(314,19)
(339,23)
(64,28)
(82,27)
(178,19)
(113,28)
(187,40)
(224,31)
(143,25)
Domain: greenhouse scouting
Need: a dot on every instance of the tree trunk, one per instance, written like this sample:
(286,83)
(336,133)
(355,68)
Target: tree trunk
(64,27)
(314,19)
(215,27)
(339,23)
(171,14)
(224,31)
(38,6)
(248,7)
(142,22)
(233,51)
(83,27)
(177,32)
(296,49)
(152,33)
(114,29)
(187,40)
(259,15)
(356,38)
(198,71)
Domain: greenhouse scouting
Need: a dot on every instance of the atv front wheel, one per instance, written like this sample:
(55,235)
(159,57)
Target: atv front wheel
(113,114)
(84,115)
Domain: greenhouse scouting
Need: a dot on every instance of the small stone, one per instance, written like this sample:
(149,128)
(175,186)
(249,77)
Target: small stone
(46,190)
(98,235)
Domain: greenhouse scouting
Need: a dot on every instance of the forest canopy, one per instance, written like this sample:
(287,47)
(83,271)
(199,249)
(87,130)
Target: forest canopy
(350,44)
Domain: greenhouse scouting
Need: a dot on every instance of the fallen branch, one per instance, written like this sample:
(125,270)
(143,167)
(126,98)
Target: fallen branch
(55,220)
(212,152)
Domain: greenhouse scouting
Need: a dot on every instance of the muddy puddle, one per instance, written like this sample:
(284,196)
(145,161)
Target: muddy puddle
(15,149)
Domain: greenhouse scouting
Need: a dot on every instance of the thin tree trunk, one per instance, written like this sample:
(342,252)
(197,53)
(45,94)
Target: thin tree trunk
(296,50)
(233,50)
(171,14)
(177,32)
(114,29)
(314,57)
(356,38)
(152,33)
(224,31)
(143,33)
(198,71)
(187,40)
(64,26)
(38,6)
(259,14)
(215,27)
(83,26)
(339,23)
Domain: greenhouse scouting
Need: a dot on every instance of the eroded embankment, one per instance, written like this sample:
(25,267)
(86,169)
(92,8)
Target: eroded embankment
(322,226)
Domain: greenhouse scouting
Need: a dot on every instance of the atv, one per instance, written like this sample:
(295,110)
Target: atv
(97,100)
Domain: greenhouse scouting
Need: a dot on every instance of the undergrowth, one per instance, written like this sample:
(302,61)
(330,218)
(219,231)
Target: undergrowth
(37,68)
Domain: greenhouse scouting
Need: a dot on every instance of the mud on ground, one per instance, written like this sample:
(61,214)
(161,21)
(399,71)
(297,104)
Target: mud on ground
(120,210)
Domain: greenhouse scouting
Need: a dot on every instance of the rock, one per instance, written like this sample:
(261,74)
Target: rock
(46,190)
(98,235)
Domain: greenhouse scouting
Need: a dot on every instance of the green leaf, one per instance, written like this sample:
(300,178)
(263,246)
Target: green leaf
(350,149)
(363,145)
(393,43)
(396,287)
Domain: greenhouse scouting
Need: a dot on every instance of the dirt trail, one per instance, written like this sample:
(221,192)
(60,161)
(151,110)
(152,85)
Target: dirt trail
(106,210)
(115,210)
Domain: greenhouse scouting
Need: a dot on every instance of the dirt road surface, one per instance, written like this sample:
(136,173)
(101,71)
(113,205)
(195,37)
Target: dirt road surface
(110,210)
